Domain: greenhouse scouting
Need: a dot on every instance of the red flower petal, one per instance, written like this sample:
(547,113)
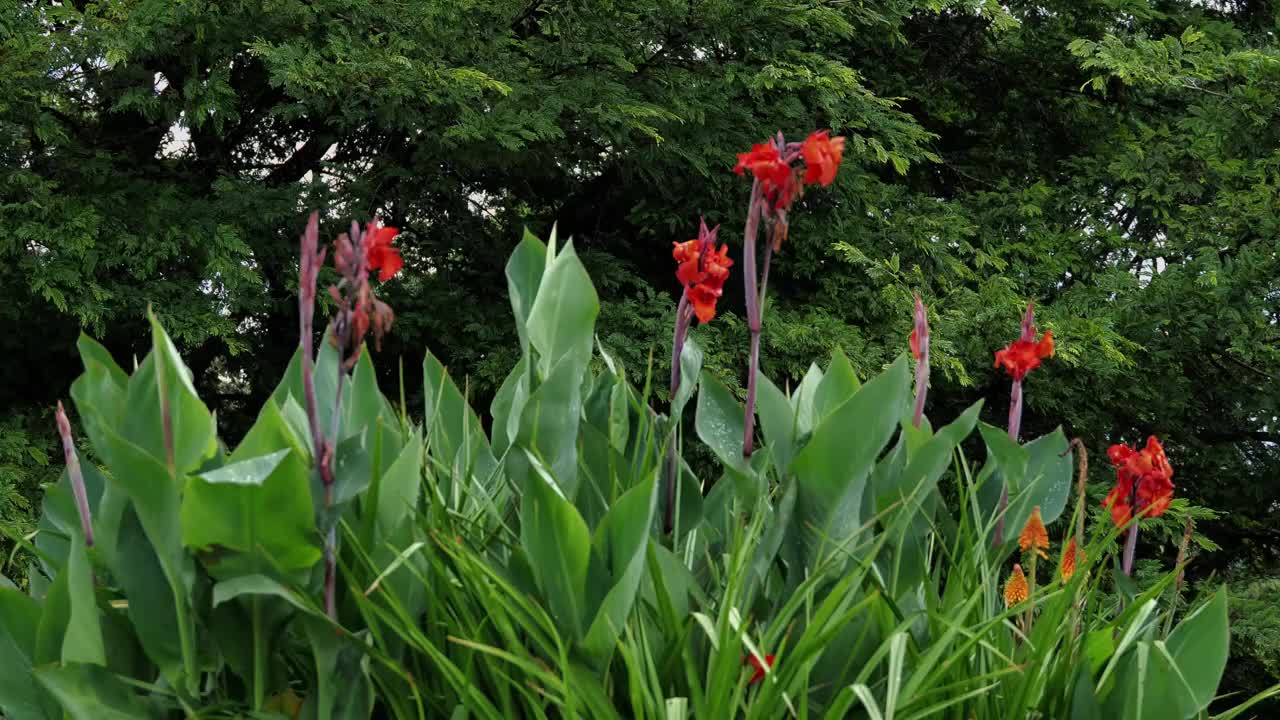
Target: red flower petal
(822,156)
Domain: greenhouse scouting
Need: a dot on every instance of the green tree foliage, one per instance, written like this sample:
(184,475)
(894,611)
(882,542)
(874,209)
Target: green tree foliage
(1115,160)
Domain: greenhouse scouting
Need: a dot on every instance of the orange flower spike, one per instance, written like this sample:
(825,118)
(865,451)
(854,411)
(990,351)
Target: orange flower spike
(822,156)
(1072,556)
(1015,589)
(1034,536)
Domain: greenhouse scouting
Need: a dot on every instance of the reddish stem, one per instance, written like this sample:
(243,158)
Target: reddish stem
(753,313)
(922,362)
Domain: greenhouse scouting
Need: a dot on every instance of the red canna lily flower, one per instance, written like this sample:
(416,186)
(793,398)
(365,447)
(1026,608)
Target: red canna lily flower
(759,673)
(703,271)
(777,179)
(822,155)
(1022,356)
(1147,469)
(379,253)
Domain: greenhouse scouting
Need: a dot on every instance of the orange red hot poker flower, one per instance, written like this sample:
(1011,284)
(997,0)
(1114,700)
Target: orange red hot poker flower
(1143,478)
(1015,588)
(1071,557)
(1034,536)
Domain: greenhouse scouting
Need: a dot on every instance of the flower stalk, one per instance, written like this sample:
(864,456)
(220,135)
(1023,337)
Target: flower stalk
(355,255)
(684,317)
(75,475)
(775,185)
(1018,359)
(919,342)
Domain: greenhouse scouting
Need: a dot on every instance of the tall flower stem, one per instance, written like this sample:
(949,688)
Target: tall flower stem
(309,268)
(920,346)
(753,313)
(76,477)
(1131,541)
(1015,420)
(684,316)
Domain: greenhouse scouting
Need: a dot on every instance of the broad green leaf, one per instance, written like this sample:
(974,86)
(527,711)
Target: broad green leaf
(925,465)
(55,615)
(549,426)
(324,379)
(1146,687)
(82,642)
(556,539)
(1200,647)
(524,275)
(151,609)
(366,401)
(258,507)
(507,405)
(1046,481)
(260,502)
(344,690)
(619,415)
(719,422)
(398,489)
(89,692)
(563,316)
(832,469)
(454,433)
(19,619)
(162,380)
(1084,704)
(244,585)
(154,495)
(93,351)
(604,474)
(802,399)
(620,542)
(690,369)
(777,422)
(838,384)
(1007,454)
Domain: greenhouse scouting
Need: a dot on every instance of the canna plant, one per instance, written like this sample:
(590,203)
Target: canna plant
(350,557)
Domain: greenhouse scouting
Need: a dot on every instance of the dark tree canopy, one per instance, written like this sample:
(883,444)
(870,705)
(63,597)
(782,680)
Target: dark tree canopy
(1117,161)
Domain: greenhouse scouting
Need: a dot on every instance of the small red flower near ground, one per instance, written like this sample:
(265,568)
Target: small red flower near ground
(822,155)
(703,271)
(1022,356)
(1150,470)
(759,673)
(379,253)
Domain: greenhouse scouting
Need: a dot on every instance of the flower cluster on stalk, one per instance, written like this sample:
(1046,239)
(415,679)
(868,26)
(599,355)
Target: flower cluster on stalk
(702,271)
(1144,481)
(1024,355)
(355,255)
